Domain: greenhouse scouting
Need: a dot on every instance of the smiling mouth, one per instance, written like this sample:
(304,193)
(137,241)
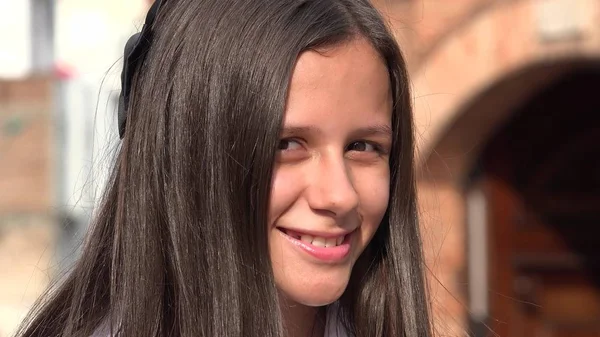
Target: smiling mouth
(327,249)
(316,241)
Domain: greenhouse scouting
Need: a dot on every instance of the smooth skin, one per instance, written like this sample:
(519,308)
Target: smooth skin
(331,175)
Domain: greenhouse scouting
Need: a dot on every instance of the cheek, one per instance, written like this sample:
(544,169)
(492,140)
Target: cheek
(285,189)
(374,192)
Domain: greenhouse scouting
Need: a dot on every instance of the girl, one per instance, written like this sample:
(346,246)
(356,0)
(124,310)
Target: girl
(264,186)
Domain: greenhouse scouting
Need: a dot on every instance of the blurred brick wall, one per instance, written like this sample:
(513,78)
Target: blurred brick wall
(27,227)
(455,51)
(26,145)
(420,25)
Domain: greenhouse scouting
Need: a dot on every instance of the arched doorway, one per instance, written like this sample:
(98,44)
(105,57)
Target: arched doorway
(540,174)
(467,89)
(516,181)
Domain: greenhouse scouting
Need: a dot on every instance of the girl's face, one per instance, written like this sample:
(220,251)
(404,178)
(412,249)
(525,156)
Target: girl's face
(331,177)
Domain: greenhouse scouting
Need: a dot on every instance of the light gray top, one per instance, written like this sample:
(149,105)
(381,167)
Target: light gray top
(333,328)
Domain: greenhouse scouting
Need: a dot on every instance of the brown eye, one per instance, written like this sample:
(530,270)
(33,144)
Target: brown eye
(288,145)
(361,146)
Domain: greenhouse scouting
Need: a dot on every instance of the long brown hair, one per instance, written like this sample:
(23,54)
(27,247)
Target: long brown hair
(179,246)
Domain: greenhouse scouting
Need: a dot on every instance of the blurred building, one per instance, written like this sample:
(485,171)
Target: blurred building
(58,90)
(508,129)
(507,113)
(27,225)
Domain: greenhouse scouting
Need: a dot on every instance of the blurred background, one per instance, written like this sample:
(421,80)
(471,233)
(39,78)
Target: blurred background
(507,104)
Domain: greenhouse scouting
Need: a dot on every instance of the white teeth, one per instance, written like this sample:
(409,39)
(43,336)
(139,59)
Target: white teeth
(318,242)
(331,242)
(307,238)
(322,242)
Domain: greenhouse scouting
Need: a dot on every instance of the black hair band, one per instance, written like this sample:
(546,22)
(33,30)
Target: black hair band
(135,49)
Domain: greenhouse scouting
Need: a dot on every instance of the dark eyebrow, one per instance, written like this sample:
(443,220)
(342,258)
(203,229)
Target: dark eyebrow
(372,130)
(291,131)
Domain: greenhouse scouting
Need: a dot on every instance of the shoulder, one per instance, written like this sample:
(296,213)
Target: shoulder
(333,326)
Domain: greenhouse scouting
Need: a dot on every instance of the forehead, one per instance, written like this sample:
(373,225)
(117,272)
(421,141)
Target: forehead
(346,81)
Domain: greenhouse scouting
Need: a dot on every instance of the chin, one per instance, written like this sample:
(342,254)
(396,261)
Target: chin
(314,291)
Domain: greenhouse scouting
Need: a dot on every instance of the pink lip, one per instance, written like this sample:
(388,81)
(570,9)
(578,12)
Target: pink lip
(326,235)
(330,254)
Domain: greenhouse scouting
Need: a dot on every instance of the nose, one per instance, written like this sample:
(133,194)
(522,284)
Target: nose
(332,189)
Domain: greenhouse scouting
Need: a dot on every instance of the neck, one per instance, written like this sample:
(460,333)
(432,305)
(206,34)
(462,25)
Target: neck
(301,320)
